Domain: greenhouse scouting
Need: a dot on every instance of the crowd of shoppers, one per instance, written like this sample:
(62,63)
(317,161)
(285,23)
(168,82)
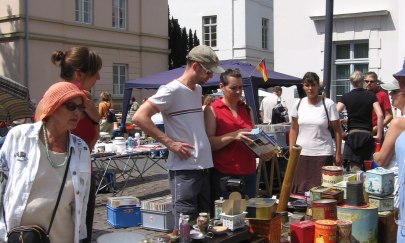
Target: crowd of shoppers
(206,144)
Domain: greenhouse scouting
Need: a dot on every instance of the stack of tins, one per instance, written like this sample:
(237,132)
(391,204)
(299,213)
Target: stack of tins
(331,175)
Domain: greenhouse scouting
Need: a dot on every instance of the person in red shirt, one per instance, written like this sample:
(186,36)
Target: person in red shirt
(372,84)
(228,122)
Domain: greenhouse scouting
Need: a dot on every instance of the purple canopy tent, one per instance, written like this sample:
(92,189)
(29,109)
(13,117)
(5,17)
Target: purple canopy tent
(252,79)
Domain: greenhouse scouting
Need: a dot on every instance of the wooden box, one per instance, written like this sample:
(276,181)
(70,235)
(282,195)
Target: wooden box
(387,228)
(270,229)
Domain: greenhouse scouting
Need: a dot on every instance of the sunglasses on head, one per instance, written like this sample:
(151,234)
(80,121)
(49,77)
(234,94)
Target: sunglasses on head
(208,72)
(72,106)
(394,92)
(369,81)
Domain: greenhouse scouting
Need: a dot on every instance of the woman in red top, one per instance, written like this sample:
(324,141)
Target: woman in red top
(81,66)
(228,121)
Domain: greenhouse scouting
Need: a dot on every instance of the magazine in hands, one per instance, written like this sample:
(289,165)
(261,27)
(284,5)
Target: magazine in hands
(263,145)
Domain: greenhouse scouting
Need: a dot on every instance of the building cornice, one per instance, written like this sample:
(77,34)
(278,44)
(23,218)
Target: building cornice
(353,15)
(81,26)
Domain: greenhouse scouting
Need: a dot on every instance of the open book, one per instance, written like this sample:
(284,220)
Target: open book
(263,145)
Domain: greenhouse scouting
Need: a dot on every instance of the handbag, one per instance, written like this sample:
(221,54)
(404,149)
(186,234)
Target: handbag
(35,233)
(111,116)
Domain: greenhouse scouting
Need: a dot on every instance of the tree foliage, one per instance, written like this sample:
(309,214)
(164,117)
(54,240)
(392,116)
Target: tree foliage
(180,43)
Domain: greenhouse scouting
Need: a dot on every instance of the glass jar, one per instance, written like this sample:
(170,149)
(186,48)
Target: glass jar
(203,222)
(185,229)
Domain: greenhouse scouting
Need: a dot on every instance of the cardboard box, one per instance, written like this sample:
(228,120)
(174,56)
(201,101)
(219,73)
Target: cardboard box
(383,203)
(302,231)
(387,228)
(116,202)
(161,221)
(261,208)
(124,217)
(270,229)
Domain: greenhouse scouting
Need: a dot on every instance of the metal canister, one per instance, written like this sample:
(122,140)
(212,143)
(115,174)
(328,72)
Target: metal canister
(344,231)
(354,193)
(324,209)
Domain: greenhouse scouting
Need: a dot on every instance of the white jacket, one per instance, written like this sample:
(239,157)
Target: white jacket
(19,160)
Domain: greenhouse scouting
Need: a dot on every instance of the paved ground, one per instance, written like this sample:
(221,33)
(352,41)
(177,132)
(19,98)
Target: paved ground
(155,184)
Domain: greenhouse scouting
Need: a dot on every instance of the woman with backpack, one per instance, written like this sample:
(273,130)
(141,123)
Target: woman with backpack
(310,118)
(107,116)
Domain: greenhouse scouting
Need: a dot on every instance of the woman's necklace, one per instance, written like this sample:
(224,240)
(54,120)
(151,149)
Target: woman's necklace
(67,154)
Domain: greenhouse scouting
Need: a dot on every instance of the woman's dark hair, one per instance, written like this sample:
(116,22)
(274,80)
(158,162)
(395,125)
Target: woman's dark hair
(229,73)
(310,78)
(76,58)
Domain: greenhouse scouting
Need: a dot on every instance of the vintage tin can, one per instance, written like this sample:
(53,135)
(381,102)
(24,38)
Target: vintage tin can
(382,203)
(364,221)
(355,196)
(331,175)
(333,193)
(344,231)
(324,209)
(316,192)
(325,231)
(379,182)
(302,231)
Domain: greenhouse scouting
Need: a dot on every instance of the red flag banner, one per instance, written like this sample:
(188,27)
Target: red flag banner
(262,69)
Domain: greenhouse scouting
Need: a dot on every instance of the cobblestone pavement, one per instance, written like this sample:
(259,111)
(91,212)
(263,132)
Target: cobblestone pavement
(155,184)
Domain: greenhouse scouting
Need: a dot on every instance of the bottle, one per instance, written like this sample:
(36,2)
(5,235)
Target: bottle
(185,229)
(218,207)
(130,142)
(138,139)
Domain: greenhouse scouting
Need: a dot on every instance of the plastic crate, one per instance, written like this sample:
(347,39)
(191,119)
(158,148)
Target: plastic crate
(124,217)
(161,221)
(233,222)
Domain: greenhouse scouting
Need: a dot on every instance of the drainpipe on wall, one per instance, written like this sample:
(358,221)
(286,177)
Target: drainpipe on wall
(26,52)
(327,65)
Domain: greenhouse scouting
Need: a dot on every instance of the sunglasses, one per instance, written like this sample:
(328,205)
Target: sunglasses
(369,81)
(72,106)
(208,72)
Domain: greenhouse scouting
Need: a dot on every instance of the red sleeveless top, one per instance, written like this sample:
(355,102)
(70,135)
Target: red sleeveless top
(235,158)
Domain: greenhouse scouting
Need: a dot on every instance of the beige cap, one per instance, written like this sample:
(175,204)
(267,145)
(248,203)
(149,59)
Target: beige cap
(390,86)
(205,55)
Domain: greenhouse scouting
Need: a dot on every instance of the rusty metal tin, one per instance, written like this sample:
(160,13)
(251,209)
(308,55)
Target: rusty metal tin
(354,193)
(324,209)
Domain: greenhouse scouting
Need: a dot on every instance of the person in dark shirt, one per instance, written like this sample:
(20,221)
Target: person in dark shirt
(359,103)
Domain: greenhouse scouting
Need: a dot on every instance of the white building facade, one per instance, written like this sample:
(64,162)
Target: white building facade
(131,36)
(235,29)
(368,35)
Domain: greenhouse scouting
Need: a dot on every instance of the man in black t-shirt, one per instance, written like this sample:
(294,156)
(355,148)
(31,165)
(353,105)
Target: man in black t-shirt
(359,103)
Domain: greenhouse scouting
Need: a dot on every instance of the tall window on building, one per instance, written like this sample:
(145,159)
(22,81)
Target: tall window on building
(210,31)
(265,31)
(119,11)
(349,57)
(84,11)
(119,78)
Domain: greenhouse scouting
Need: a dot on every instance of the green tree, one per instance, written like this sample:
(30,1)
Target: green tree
(179,43)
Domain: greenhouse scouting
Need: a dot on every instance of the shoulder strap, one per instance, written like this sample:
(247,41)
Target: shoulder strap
(324,106)
(60,191)
(299,103)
